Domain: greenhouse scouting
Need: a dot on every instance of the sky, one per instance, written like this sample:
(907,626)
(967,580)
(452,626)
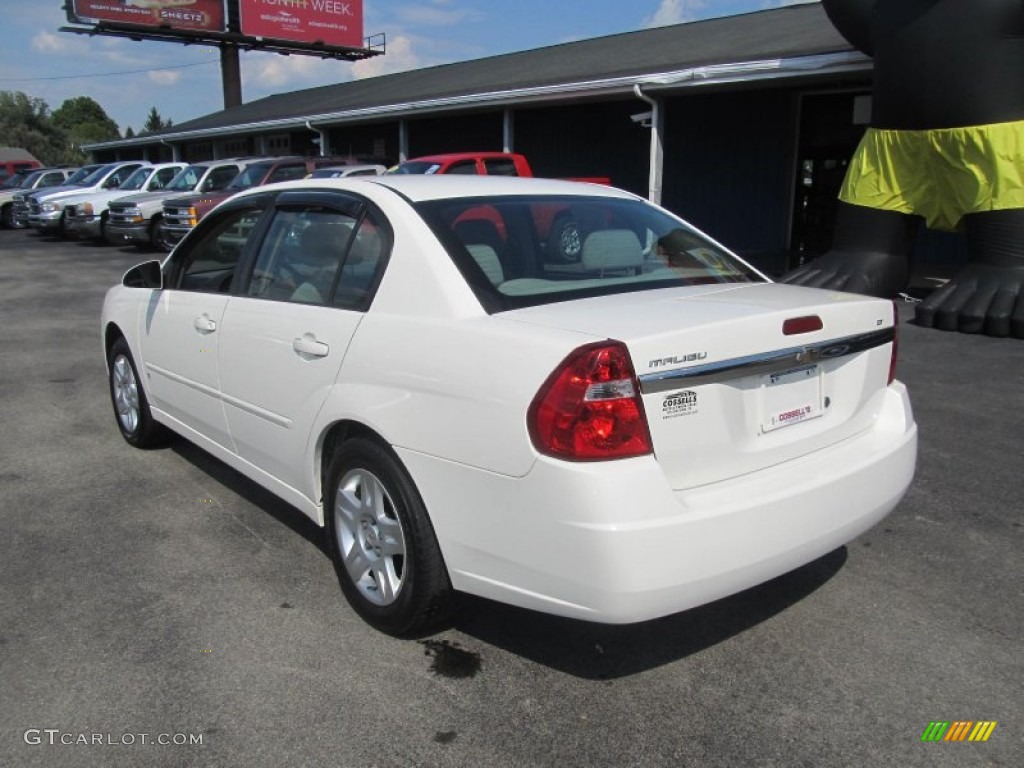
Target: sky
(129,78)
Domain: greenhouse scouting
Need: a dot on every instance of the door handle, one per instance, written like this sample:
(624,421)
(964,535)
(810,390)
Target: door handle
(204,324)
(308,345)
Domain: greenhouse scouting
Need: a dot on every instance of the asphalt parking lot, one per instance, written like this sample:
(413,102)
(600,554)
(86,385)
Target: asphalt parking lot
(159,593)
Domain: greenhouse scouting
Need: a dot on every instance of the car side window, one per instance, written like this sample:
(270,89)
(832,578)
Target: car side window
(287,173)
(209,264)
(163,177)
(500,166)
(301,255)
(463,167)
(220,177)
(51,180)
(118,177)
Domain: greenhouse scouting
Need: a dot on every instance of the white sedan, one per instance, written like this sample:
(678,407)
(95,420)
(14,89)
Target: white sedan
(640,427)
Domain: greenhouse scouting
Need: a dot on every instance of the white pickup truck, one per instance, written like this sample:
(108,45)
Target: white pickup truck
(40,178)
(86,214)
(137,219)
(46,212)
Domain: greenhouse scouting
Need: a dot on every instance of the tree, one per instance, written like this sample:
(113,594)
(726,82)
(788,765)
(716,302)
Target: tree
(85,121)
(25,122)
(154,122)
(129,133)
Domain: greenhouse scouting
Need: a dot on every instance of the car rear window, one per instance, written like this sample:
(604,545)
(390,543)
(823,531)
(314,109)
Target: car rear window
(520,251)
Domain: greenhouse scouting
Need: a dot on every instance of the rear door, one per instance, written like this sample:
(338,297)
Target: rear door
(287,333)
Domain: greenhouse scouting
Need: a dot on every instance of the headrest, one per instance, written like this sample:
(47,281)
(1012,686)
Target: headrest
(611,249)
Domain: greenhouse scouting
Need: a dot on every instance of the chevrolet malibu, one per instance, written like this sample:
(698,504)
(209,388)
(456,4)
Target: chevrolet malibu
(619,434)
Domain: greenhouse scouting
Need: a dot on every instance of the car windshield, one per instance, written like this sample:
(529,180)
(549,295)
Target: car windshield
(250,177)
(519,251)
(416,167)
(16,181)
(187,179)
(97,175)
(76,178)
(137,179)
(31,179)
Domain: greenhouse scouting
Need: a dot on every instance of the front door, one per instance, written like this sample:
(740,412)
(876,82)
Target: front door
(181,329)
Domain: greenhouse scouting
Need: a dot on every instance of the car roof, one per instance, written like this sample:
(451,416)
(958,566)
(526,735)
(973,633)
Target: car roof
(446,156)
(423,188)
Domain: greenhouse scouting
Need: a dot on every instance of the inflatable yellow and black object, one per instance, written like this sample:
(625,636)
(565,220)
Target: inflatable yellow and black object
(946,147)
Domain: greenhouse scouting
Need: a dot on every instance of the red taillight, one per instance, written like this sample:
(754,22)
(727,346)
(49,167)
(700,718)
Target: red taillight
(895,342)
(590,408)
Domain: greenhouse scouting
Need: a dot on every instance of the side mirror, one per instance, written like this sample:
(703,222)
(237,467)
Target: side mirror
(144,275)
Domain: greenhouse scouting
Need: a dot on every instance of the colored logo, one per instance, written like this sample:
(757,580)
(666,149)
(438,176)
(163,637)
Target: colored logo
(959,730)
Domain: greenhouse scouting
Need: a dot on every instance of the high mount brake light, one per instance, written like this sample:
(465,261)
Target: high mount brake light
(590,409)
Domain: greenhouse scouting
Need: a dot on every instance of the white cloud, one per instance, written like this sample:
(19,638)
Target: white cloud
(675,12)
(440,13)
(266,71)
(48,42)
(164,77)
(400,57)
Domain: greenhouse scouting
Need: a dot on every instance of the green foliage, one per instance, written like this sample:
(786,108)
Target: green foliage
(54,138)
(25,122)
(85,121)
(154,122)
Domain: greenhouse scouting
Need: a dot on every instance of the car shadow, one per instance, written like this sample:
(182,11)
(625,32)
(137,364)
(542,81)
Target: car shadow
(606,652)
(253,493)
(580,648)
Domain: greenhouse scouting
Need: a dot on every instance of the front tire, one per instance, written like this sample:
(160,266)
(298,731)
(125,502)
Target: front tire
(131,409)
(385,552)
(158,237)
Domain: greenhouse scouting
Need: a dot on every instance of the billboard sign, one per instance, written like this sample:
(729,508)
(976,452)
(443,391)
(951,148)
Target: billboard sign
(204,15)
(327,22)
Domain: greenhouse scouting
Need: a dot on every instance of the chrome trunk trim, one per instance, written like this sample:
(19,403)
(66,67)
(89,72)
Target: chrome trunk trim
(767,362)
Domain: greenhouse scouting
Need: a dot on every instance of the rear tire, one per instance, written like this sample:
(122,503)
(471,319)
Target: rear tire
(385,552)
(131,409)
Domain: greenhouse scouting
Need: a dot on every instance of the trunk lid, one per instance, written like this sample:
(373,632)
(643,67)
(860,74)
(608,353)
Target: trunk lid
(726,390)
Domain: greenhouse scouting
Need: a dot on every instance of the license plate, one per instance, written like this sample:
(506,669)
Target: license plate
(790,397)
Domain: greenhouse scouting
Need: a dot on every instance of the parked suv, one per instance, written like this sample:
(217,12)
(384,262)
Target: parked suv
(183,213)
(22,197)
(138,218)
(47,212)
(41,178)
(86,214)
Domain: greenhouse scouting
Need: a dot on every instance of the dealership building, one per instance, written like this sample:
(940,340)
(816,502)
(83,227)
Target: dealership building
(743,125)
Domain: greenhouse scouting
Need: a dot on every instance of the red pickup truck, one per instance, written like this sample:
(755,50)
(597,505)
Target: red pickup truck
(478,164)
(561,231)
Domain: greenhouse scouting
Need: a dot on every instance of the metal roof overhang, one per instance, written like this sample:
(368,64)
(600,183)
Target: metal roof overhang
(843,62)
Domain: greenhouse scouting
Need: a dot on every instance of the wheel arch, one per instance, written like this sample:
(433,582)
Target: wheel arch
(111,333)
(332,438)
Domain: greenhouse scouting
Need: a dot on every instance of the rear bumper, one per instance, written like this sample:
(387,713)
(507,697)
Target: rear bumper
(613,543)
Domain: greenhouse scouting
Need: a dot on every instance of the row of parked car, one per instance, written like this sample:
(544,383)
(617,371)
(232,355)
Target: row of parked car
(146,204)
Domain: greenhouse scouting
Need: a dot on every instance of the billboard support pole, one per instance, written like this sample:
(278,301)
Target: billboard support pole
(230,75)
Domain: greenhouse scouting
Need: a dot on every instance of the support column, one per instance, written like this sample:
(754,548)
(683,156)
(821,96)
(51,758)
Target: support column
(231,75)
(508,131)
(657,153)
(403,141)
